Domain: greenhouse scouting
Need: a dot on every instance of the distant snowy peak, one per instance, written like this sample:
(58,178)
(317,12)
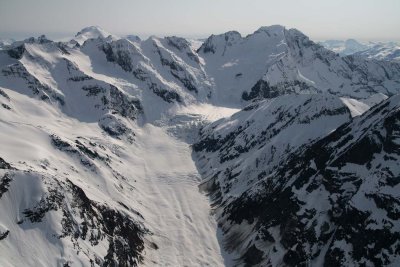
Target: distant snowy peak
(133,38)
(271,30)
(6,42)
(303,49)
(42,39)
(346,47)
(353,46)
(92,32)
(215,43)
(17,49)
(178,43)
(221,42)
(308,67)
(388,52)
(274,61)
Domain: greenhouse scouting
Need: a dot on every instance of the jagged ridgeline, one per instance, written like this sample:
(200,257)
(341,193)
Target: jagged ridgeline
(105,141)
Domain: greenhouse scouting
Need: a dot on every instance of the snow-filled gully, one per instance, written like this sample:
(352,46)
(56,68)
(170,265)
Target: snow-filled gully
(179,214)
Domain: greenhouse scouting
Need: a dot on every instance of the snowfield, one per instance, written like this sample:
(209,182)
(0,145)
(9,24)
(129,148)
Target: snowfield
(178,213)
(161,182)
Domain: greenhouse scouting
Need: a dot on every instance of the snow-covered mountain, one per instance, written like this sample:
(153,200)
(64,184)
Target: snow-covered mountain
(382,51)
(227,69)
(345,47)
(6,42)
(96,166)
(281,199)
(289,62)
(389,51)
(91,32)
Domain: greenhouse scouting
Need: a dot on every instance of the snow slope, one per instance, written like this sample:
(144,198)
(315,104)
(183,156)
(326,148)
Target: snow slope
(260,135)
(382,51)
(87,139)
(331,201)
(153,180)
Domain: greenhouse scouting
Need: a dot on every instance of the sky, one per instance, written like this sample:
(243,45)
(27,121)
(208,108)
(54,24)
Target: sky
(373,20)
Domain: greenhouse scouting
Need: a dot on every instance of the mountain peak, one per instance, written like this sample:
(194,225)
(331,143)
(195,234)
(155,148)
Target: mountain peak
(273,29)
(91,32)
(133,38)
(219,41)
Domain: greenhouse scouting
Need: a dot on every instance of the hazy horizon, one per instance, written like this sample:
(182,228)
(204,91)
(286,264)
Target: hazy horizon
(65,36)
(367,20)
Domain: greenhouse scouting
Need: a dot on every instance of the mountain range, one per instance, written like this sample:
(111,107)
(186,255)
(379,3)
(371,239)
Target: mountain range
(258,150)
(388,51)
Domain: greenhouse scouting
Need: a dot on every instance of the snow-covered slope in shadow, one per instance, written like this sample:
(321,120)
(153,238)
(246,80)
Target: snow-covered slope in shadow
(328,201)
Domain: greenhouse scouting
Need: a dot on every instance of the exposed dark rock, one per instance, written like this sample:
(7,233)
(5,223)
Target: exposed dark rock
(43,91)
(2,93)
(6,106)
(5,183)
(186,81)
(4,164)
(63,48)
(93,90)
(59,143)
(114,130)
(168,96)
(78,150)
(119,57)
(90,153)
(52,201)
(253,256)
(115,127)
(178,43)
(124,235)
(140,74)
(80,78)
(3,235)
(16,52)
(85,219)
(207,47)
(262,90)
(125,105)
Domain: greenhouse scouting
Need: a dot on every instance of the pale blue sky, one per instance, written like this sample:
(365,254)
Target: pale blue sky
(320,19)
